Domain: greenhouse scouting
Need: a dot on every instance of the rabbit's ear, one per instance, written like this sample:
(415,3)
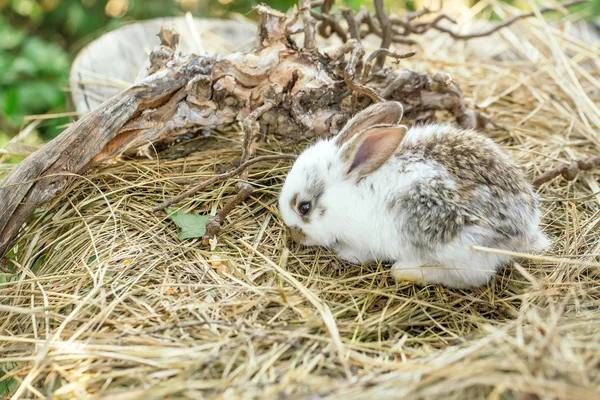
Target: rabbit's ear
(384,113)
(371,148)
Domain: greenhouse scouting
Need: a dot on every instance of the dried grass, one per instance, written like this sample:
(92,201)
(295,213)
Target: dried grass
(109,303)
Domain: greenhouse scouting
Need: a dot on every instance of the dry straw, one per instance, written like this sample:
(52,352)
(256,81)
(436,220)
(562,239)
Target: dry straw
(108,303)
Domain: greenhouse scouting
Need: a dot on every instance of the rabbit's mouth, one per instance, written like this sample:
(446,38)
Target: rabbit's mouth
(297,235)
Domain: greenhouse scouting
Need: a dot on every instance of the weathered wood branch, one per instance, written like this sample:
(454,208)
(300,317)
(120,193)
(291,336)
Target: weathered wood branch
(568,171)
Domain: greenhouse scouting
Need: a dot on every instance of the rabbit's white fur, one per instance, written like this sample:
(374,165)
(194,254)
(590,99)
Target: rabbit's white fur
(355,216)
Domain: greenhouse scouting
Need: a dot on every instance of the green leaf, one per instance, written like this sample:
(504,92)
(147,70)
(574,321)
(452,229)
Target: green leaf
(595,7)
(7,386)
(76,17)
(49,58)
(10,37)
(20,68)
(6,59)
(28,8)
(34,97)
(190,225)
(39,96)
(10,102)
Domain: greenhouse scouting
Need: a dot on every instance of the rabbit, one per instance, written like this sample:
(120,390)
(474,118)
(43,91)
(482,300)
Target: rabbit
(418,198)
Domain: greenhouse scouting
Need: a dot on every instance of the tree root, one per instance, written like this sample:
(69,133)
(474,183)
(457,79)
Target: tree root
(568,171)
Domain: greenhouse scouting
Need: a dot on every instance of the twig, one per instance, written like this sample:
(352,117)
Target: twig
(386,31)
(346,48)
(333,23)
(503,24)
(402,40)
(248,123)
(389,53)
(402,77)
(417,14)
(309,25)
(213,225)
(356,56)
(386,28)
(367,91)
(325,9)
(221,177)
(352,23)
(364,16)
(244,189)
(422,27)
(292,20)
(385,53)
(568,171)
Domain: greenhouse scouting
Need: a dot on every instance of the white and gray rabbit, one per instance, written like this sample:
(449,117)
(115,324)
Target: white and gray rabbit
(420,198)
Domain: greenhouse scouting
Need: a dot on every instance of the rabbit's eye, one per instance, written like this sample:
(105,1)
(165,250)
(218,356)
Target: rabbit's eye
(304,207)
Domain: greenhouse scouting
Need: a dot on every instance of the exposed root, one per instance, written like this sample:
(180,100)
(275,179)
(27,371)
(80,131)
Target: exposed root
(568,171)
(386,32)
(213,225)
(309,25)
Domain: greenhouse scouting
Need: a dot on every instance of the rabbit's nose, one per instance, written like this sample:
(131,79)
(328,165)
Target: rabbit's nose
(297,235)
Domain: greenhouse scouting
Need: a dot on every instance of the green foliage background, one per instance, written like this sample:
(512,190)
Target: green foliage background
(39,38)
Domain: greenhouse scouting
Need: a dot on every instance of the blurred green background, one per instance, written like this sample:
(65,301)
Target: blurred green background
(39,38)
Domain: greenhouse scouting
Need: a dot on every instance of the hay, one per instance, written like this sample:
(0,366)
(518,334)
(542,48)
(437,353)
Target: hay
(109,303)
